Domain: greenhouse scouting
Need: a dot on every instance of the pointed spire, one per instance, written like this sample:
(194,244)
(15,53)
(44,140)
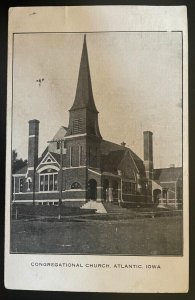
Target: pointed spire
(84,94)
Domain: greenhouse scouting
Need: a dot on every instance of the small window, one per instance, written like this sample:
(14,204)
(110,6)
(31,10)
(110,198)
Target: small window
(49,160)
(20,185)
(75,185)
(58,145)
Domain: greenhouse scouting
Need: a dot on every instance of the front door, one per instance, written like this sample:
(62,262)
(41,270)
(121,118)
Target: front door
(92,189)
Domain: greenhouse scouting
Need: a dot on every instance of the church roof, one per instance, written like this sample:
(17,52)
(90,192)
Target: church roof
(113,154)
(111,161)
(43,155)
(57,157)
(167,174)
(84,95)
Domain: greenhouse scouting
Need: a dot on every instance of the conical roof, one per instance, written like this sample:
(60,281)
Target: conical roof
(84,94)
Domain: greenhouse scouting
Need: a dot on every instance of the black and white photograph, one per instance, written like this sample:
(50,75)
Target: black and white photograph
(97,149)
(97,143)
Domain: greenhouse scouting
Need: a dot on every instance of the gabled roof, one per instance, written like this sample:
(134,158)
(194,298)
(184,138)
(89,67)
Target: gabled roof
(111,161)
(167,174)
(57,157)
(48,158)
(43,155)
(112,154)
(119,160)
(84,94)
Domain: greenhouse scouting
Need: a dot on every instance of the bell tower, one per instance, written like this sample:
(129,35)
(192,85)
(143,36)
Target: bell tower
(83,113)
(83,136)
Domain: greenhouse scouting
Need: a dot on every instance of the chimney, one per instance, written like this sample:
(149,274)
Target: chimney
(148,154)
(33,141)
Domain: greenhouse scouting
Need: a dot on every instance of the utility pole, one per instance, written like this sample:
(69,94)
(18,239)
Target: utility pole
(60,141)
(34,185)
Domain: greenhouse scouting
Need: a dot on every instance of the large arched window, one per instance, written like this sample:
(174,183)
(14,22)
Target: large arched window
(48,180)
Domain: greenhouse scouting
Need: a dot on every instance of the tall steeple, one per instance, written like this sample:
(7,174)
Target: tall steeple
(83,113)
(84,93)
(83,138)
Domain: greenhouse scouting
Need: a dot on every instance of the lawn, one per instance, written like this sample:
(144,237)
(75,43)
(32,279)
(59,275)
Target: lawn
(146,236)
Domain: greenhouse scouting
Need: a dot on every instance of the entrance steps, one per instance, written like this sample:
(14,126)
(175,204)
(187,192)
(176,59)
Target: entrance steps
(114,208)
(98,206)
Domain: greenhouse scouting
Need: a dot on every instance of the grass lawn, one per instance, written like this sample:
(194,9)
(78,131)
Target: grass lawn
(147,236)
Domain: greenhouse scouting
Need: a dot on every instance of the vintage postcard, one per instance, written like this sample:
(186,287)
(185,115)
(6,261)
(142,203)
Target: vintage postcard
(97,149)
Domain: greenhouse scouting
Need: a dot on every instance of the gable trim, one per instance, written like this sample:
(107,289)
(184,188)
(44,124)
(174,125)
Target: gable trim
(48,167)
(45,163)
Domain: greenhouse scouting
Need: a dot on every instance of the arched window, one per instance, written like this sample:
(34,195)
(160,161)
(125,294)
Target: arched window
(76,185)
(29,182)
(48,180)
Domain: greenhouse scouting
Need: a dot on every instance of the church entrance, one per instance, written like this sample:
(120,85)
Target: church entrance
(92,189)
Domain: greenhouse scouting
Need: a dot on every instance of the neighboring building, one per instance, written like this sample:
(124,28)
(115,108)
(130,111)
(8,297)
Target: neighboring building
(79,165)
(170,179)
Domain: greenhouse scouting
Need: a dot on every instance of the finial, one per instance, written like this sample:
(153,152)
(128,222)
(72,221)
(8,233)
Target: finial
(123,144)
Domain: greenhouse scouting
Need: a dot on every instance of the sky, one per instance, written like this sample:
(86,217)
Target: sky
(136,81)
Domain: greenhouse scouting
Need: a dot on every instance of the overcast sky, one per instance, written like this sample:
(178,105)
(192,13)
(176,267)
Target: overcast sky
(136,80)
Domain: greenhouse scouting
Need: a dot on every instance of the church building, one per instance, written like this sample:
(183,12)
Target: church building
(78,166)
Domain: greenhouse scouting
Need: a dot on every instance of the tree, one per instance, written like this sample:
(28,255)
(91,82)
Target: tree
(17,163)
